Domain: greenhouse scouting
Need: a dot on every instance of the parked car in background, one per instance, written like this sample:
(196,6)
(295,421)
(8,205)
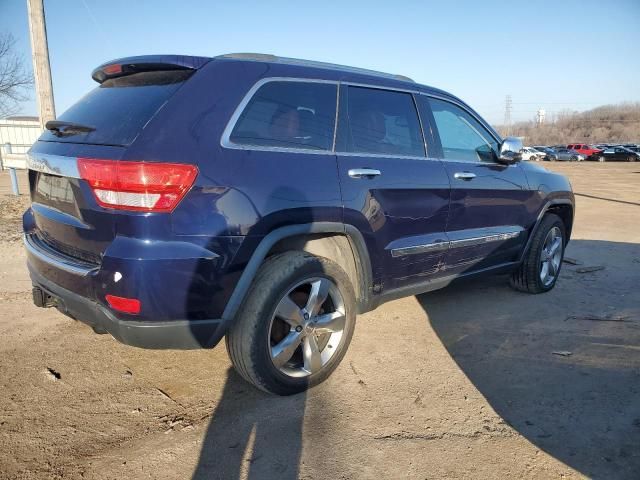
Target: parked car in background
(618,154)
(566,154)
(549,153)
(531,154)
(584,149)
(270,200)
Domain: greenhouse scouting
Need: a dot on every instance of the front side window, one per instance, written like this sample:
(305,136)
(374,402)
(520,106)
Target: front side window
(381,122)
(289,114)
(462,136)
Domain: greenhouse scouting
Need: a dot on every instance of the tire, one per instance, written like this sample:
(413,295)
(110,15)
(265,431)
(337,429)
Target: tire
(530,276)
(574,158)
(601,158)
(533,158)
(283,283)
(632,159)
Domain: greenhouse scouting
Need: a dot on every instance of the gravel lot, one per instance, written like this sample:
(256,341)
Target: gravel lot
(459,383)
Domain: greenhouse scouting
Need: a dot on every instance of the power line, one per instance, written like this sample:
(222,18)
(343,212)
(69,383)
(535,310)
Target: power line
(507,114)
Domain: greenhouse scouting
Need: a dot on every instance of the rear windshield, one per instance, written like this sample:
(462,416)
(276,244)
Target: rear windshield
(120,107)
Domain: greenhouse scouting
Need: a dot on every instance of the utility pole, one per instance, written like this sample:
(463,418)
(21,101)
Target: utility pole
(40,57)
(507,115)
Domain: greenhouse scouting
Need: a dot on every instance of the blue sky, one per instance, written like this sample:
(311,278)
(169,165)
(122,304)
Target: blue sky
(557,55)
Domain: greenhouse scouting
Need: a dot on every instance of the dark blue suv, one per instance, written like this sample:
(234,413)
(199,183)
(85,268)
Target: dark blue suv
(270,200)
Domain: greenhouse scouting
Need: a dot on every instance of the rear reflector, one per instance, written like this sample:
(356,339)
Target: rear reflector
(125,305)
(138,186)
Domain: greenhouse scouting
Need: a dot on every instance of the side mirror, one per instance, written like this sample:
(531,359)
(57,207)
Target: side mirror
(510,151)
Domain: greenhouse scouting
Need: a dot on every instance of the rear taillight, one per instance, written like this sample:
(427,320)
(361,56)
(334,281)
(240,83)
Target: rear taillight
(139,186)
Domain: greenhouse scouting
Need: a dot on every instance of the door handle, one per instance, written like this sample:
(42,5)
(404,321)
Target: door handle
(464,175)
(364,172)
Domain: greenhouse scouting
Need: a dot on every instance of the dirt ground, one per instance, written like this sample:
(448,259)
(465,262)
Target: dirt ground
(459,383)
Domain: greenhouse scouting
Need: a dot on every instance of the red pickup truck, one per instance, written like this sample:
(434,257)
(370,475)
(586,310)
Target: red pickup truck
(583,148)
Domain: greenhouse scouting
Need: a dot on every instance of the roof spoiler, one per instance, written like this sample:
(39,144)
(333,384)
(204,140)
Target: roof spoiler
(146,63)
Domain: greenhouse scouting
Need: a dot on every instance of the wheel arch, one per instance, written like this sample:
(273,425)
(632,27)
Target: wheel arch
(341,243)
(564,208)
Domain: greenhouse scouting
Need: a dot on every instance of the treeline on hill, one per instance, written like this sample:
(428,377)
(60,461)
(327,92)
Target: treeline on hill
(606,124)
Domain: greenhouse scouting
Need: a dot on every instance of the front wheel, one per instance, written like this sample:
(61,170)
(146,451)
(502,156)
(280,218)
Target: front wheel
(632,158)
(601,158)
(296,324)
(542,262)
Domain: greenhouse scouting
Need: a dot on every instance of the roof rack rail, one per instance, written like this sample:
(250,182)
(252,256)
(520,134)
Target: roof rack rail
(265,57)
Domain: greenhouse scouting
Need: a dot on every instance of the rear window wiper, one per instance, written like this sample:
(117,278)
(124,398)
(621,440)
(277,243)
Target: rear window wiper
(61,128)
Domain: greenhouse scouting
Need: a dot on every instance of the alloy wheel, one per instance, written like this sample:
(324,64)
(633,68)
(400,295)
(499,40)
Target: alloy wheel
(551,256)
(307,327)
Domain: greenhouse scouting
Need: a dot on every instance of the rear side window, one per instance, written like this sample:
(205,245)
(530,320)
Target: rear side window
(381,122)
(289,114)
(120,107)
(462,136)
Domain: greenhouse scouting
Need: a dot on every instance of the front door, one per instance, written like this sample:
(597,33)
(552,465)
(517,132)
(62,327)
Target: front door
(488,216)
(396,196)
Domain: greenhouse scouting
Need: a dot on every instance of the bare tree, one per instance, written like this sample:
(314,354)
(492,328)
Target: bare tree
(608,123)
(15,80)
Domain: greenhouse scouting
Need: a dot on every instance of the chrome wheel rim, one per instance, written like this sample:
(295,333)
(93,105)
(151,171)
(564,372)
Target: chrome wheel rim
(551,256)
(306,327)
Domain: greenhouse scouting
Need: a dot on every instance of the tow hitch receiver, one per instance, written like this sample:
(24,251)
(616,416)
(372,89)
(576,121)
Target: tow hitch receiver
(42,299)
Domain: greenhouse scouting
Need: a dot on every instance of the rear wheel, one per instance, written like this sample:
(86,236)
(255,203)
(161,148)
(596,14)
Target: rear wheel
(632,158)
(541,266)
(574,158)
(601,158)
(296,324)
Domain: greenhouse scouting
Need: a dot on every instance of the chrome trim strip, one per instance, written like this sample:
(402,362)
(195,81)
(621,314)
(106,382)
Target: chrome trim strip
(53,164)
(440,245)
(225,140)
(417,249)
(55,261)
(381,155)
(470,242)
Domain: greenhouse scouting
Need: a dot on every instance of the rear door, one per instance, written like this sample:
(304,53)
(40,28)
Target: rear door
(65,213)
(488,215)
(395,194)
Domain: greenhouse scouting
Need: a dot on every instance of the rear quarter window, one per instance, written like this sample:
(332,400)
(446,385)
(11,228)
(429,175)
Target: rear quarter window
(120,107)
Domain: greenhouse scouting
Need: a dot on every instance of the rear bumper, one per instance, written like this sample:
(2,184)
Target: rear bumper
(173,334)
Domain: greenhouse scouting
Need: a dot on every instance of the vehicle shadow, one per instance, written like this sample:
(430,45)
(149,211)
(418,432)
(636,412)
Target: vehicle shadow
(580,404)
(252,434)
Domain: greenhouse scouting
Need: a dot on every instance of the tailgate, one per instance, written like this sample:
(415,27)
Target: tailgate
(66,216)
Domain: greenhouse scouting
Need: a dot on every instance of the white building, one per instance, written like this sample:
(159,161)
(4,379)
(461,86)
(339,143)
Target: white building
(17,134)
